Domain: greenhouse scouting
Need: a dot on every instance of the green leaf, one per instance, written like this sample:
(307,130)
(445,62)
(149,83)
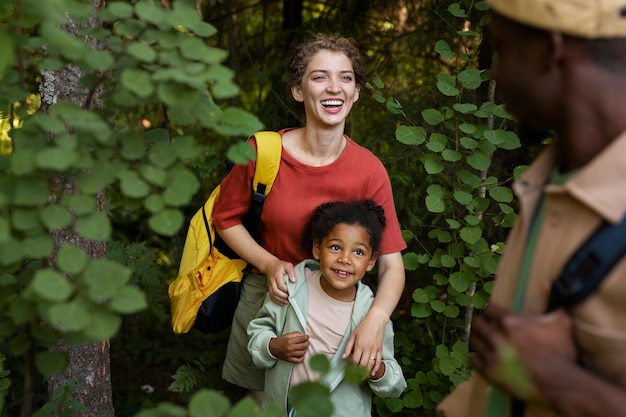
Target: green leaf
(71,259)
(471,234)
(470,78)
(116,10)
(137,81)
(413,399)
(421,311)
(37,247)
(31,191)
(410,135)
(468,143)
(51,286)
(464,108)
(105,278)
(128,300)
(459,281)
(150,11)
(319,363)
(162,155)
(443,49)
(133,147)
(51,362)
(154,175)
(435,203)
(203,29)
(448,261)
(311,399)
(501,194)
(411,261)
(479,160)
(167,222)
(451,155)
(132,185)
(463,197)
(456,10)
(183,185)
(446,84)
(432,116)
(241,153)
(69,317)
(208,403)
(79,204)
(95,226)
(55,217)
(142,52)
(103,325)
(420,296)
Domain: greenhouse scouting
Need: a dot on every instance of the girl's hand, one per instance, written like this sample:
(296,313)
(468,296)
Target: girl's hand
(290,347)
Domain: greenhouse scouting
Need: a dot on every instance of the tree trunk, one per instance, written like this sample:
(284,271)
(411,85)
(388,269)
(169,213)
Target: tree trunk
(89,364)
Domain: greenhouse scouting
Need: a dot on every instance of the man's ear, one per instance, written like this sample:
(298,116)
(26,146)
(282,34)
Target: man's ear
(296,92)
(556,50)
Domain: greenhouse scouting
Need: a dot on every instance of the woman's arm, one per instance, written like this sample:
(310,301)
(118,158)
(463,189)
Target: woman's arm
(366,340)
(238,239)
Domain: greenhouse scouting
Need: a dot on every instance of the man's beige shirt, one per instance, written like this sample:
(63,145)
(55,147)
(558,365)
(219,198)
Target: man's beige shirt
(573,212)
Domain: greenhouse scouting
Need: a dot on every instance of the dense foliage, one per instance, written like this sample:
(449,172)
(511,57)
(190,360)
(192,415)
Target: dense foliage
(165,92)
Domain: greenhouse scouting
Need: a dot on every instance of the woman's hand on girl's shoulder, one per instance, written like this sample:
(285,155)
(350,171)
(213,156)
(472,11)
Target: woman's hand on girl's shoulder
(275,273)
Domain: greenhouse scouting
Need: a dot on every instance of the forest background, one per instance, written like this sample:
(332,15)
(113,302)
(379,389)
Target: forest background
(115,120)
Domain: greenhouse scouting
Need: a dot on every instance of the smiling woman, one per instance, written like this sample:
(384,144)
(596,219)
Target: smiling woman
(319,163)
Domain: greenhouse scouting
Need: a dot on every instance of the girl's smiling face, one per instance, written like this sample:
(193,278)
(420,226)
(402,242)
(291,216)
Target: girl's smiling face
(328,89)
(345,255)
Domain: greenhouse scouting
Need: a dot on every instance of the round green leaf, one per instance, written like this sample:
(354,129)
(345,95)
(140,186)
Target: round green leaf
(133,146)
(68,317)
(432,116)
(154,203)
(137,81)
(411,261)
(105,278)
(71,259)
(459,281)
(470,78)
(154,175)
(479,160)
(55,217)
(31,191)
(51,362)
(95,226)
(142,52)
(51,286)
(37,247)
(410,135)
(132,185)
(128,300)
(184,184)
(205,400)
(443,49)
(463,197)
(471,234)
(103,325)
(167,222)
(501,194)
(435,203)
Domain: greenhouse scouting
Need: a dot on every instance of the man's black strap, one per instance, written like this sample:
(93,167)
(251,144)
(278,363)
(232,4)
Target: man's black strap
(586,269)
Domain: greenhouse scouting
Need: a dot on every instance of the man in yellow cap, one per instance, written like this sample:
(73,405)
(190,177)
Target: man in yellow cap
(561,66)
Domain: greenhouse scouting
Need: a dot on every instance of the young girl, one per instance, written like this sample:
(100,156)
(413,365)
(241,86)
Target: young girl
(323,310)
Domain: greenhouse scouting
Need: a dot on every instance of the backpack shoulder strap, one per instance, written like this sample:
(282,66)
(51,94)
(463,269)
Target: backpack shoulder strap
(586,269)
(269,147)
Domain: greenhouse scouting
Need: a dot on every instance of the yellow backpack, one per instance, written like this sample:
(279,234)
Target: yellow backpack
(206,291)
